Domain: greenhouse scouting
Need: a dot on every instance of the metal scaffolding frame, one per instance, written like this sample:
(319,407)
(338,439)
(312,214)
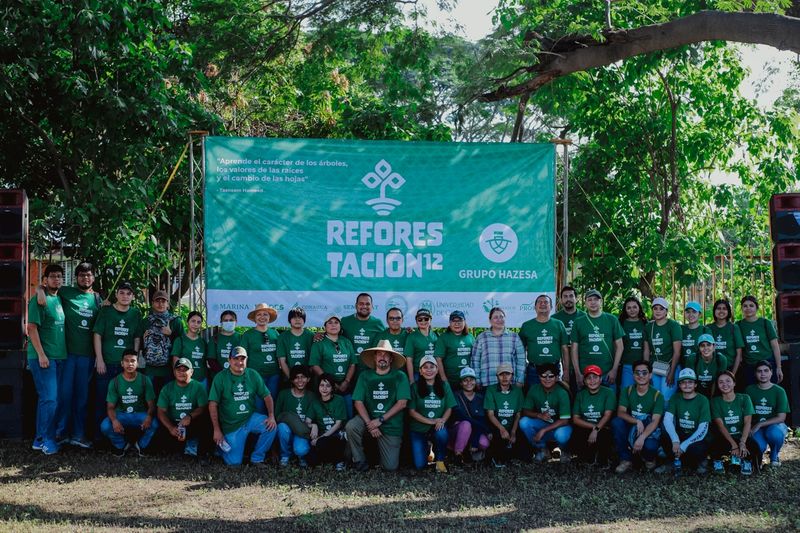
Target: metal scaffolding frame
(196,259)
(562,198)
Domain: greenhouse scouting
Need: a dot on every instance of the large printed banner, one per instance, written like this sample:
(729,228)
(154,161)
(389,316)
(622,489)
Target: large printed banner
(444,226)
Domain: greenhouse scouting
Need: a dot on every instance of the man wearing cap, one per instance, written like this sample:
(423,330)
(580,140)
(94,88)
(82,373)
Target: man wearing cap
(336,356)
(158,330)
(232,409)
(686,426)
(545,340)
(114,332)
(591,418)
(690,332)
(395,333)
(182,406)
(597,340)
(261,345)
(380,396)
(361,327)
(664,337)
(503,404)
(546,413)
(453,349)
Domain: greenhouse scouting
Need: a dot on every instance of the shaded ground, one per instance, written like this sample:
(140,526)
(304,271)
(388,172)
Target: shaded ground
(79,490)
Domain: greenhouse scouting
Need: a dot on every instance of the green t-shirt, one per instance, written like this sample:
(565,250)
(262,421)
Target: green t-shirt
(706,372)
(543,340)
(555,402)
(595,338)
(236,397)
(727,339)
(757,336)
(333,360)
(220,346)
(431,406)
(379,393)
(505,404)
(688,413)
(326,414)
(568,320)
(661,339)
(591,407)
(419,345)
(732,413)
(194,350)
(633,343)
(689,341)
(361,333)
(117,330)
(455,352)
(262,350)
(130,396)
(641,406)
(767,403)
(179,401)
(398,341)
(295,348)
(289,403)
(80,311)
(49,319)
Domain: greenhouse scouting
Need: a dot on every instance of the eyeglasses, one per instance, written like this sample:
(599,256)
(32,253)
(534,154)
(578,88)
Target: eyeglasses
(547,376)
(641,372)
(394,318)
(85,275)
(423,319)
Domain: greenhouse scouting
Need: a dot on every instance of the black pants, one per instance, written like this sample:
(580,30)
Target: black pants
(328,450)
(500,449)
(693,455)
(588,453)
(200,429)
(720,447)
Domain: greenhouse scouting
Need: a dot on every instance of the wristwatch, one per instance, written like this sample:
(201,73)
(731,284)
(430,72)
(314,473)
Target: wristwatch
(380,419)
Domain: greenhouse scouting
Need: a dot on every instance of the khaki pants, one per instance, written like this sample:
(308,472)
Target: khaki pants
(388,445)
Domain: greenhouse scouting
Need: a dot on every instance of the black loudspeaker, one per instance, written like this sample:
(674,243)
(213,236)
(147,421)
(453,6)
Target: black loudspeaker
(11,412)
(786,266)
(12,324)
(787,310)
(784,216)
(12,270)
(13,216)
(790,364)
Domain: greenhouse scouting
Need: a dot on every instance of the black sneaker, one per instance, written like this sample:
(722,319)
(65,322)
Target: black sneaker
(138,450)
(361,466)
(120,452)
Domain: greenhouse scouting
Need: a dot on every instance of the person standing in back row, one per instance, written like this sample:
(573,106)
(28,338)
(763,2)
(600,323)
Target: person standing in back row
(597,340)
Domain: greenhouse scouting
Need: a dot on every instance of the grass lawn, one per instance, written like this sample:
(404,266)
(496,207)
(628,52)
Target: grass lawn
(95,491)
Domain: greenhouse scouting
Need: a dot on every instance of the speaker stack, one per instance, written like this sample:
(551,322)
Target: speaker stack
(13,287)
(784,210)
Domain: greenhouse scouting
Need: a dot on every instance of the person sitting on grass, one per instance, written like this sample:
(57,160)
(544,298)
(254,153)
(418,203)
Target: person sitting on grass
(431,405)
(546,413)
(686,423)
(130,408)
(771,405)
(470,426)
(637,426)
(293,408)
(503,403)
(591,418)
(732,413)
(182,409)
(327,418)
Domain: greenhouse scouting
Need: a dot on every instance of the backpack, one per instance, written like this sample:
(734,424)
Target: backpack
(157,345)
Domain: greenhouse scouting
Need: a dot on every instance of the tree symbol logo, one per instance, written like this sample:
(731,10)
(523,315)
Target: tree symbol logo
(498,243)
(383,177)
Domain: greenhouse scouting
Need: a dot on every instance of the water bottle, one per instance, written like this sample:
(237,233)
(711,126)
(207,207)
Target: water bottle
(224,446)
(735,460)
(676,465)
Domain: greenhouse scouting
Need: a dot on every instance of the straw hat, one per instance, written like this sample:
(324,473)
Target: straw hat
(273,314)
(368,355)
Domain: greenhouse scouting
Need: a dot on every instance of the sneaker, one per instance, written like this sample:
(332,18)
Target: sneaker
(81,443)
(623,467)
(361,466)
(302,463)
(649,465)
(61,440)
(498,464)
(539,457)
(702,468)
(565,458)
(135,447)
(191,451)
(440,467)
(775,464)
(49,450)
(719,467)
(120,452)
(746,468)
(478,456)
(340,466)
(284,461)
(664,469)
(37,445)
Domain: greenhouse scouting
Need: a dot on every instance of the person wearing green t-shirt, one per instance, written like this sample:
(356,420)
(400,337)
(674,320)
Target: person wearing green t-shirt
(431,405)
(453,350)
(592,411)
(419,343)
(379,399)
(690,332)
(159,330)
(328,416)
(130,406)
(47,355)
(182,407)
(760,342)
(546,413)
(293,410)
(232,409)
(597,340)
(294,345)
(732,414)
(707,365)
(634,344)
(545,340)
(771,406)
(261,344)
(395,333)
(193,347)
(361,327)
(503,405)
(115,330)
(335,355)
(686,422)
(568,299)
(223,342)
(728,338)
(664,338)
(636,426)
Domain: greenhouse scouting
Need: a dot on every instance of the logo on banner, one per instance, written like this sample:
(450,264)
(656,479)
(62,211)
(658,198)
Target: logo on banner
(383,177)
(398,302)
(490,304)
(498,243)
(426,304)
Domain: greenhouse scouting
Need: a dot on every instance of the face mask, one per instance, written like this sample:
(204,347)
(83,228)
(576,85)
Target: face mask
(228,325)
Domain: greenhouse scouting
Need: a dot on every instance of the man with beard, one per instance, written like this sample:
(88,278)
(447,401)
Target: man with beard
(361,327)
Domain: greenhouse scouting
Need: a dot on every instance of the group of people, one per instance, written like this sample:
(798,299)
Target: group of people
(582,384)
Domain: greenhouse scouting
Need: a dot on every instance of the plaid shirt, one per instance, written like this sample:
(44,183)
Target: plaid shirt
(489,351)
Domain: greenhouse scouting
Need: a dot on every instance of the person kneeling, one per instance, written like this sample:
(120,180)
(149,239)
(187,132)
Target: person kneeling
(293,409)
(432,402)
(637,425)
(546,414)
(591,415)
(503,403)
(733,415)
(182,407)
(686,425)
(130,406)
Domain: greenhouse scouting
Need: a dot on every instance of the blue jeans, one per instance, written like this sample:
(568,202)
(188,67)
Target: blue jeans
(73,392)
(101,390)
(660,384)
(622,430)
(46,381)
(238,437)
(531,426)
(291,443)
(129,420)
(420,447)
(271,383)
(627,376)
(612,386)
(773,435)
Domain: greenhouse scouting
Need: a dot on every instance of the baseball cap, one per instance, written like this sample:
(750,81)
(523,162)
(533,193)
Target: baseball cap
(467,372)
(125,285)
(183,362)
(705,337)
(238,351)
(423,312)
(592,292)
(160,295)
(660,301)
(694,306)
(457,315)
(428,359)
(505,368)
(592,369)
(687,374)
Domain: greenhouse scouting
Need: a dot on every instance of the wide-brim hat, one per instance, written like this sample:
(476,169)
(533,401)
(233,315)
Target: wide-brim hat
(368,355)
(273,314)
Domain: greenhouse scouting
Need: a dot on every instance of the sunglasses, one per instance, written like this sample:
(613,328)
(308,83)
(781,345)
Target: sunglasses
(395,318)
(641,372)
(423,319)
(548,376)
